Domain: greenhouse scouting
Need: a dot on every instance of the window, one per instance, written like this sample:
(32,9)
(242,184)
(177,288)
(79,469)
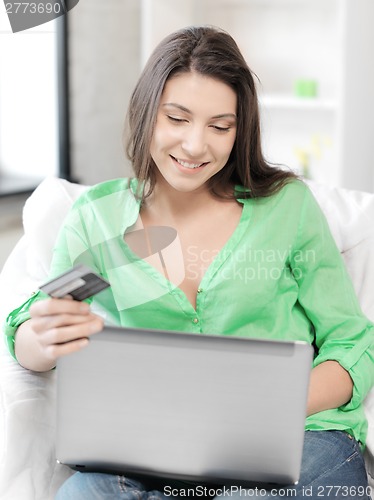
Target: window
(33,107)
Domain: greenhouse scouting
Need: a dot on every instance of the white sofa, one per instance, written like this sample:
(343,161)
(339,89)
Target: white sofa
(28,470)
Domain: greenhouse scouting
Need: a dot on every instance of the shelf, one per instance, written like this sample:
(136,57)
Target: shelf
(270,4)
(285,42)
(280,101)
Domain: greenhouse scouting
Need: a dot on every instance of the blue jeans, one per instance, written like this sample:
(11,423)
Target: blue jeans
(332,468)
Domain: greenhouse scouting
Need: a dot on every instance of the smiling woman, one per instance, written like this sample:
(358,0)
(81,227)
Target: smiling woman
(252,256)
(214,58)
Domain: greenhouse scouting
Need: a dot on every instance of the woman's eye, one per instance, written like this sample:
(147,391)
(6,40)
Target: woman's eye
(176,120)
(221,129)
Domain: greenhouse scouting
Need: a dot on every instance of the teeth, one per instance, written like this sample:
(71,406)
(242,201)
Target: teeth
(188,165)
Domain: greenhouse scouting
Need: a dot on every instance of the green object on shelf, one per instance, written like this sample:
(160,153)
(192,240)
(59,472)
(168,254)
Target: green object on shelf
(305,88)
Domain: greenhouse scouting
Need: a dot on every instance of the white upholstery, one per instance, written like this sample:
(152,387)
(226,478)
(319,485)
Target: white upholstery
(28,470)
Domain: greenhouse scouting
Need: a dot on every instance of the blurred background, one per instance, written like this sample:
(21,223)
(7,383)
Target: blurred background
(65,85)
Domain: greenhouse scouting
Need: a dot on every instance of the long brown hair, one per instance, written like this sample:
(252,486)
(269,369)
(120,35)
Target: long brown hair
(211,52)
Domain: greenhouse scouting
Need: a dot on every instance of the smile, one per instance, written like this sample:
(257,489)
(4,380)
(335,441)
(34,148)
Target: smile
(186,164)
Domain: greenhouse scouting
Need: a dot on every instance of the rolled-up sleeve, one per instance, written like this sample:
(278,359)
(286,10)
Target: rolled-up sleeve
(16,318)
(342,332)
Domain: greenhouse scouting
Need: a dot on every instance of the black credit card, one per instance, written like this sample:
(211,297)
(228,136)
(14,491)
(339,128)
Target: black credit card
(80,282)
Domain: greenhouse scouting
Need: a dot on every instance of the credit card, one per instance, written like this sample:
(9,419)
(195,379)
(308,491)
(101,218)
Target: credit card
(80,282)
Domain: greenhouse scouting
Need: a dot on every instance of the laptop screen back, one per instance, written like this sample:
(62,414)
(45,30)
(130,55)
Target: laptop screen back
(167,404)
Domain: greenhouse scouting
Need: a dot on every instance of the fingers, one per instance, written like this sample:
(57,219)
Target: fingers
(61,341)
(42,323)
(54,313)
(60,335)
(50,307)
(55,351)
(62,326)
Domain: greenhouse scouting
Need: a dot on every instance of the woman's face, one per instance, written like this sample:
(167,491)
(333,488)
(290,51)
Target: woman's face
(195,130)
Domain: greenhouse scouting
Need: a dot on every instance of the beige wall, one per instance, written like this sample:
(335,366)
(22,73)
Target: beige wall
(8,239)
(10,225)
(104,45)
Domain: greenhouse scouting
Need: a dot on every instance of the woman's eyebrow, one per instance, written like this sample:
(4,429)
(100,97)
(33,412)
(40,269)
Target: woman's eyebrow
(225,115)
(179,106)
(186,110)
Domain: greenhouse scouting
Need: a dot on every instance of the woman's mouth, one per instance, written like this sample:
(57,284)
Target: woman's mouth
(189,165)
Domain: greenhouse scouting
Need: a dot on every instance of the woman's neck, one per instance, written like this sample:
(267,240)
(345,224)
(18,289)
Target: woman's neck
(165,201)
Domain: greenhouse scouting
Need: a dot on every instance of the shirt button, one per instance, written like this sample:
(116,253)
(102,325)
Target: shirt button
(199,290)
(195,320)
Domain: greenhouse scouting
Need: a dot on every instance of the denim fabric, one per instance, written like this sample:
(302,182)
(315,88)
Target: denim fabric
(98,486)
(332,467)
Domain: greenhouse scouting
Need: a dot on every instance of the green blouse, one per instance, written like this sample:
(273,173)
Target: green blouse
(279,276)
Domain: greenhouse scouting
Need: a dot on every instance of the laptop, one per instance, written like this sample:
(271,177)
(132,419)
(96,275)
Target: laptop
(202,408)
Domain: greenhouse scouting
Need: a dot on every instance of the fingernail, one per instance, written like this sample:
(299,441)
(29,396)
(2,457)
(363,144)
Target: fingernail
(83,343)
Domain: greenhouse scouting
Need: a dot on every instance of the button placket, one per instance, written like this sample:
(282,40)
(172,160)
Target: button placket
(199,297)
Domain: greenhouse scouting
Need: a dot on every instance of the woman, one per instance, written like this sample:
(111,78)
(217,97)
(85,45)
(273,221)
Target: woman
(252,254)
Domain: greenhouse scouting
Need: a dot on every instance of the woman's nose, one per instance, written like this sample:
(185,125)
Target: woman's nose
(194,143)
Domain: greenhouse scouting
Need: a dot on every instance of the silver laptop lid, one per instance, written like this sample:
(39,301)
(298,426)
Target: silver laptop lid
(168,404)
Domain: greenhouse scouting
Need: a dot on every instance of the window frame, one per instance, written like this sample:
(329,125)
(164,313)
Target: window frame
(63,112)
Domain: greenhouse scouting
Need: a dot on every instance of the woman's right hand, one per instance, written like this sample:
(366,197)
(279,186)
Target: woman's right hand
(57,327)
